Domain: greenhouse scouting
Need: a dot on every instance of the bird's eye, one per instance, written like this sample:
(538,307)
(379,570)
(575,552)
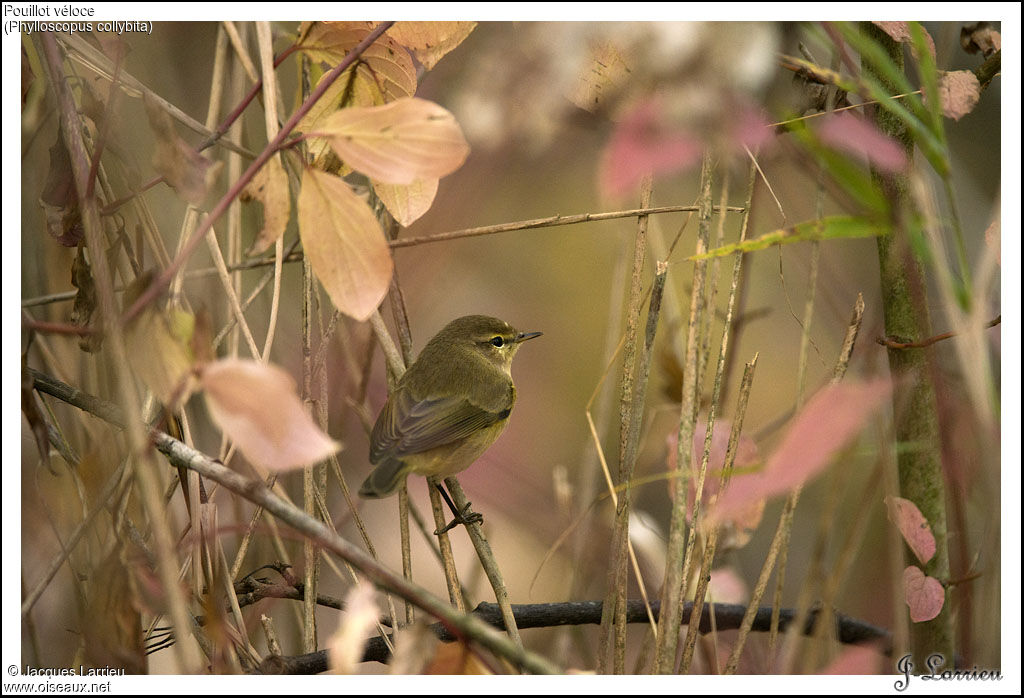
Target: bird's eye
(498,341)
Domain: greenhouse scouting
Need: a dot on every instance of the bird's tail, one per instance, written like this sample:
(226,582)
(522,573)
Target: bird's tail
(384,479)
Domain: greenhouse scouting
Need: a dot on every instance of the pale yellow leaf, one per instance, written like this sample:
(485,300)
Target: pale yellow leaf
(383,73)
(605,73)
(159,353)
(430,41)
(385,66)
(344,243)
(270,188)
(256,406)
(415,646)
(399,142)
(354,628)
(407,202)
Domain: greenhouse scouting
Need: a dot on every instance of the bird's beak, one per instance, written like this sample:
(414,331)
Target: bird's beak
(523,336)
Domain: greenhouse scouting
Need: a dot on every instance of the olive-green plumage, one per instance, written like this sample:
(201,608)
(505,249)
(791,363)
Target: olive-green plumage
(448,407)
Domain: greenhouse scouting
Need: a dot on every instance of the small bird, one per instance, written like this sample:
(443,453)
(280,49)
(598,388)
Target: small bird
(448,407)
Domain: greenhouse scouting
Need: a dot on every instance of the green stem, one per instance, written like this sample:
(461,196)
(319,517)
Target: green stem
(914,405)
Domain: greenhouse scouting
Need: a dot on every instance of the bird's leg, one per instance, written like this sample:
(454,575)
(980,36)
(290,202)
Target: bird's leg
(463,516)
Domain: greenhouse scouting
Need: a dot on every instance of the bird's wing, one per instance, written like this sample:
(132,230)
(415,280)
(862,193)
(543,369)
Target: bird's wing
(407,425)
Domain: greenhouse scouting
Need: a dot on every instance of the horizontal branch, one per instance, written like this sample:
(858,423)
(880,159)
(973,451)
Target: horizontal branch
(182,455)
(547,615)
(548,222)
(896,344)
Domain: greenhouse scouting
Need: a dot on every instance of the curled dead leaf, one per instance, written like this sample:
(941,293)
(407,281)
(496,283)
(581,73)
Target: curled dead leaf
(187,171)
(270,188)
(59,199)
(85,301)
(980,36)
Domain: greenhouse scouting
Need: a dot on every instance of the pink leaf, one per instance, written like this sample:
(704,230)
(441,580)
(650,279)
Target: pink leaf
(925,595)
(857,137)
(738,526)
(829,420)
(856,660)
(642,144)
(913,527)
(750,128)
(256,405)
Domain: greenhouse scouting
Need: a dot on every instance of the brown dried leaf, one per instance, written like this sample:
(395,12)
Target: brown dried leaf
(385,67)
(256,406)
(34,416)
(59,199)
(980,36)
(187,171)
(959,92)
(856,660)
(344,244)
(159,352)
(399,142)
(85,301)
(270,187)
(430,41)
(27,76)
(605,75)
(900,31)
(407,202)
(384,73)
(112,618)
